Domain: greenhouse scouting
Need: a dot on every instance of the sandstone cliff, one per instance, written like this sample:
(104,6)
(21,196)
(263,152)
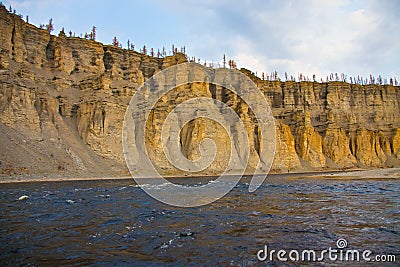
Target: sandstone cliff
(62,105)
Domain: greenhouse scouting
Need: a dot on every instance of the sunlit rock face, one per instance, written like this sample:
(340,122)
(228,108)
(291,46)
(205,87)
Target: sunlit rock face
(66,97)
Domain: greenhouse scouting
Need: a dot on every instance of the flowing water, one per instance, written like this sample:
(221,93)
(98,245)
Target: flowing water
(113,222)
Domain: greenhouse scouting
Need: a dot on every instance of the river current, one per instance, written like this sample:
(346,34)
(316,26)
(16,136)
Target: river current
(114,222)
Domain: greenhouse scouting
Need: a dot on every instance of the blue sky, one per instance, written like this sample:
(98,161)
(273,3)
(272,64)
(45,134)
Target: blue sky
(307,36)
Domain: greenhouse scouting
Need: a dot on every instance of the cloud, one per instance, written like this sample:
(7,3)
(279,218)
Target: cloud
(309,36)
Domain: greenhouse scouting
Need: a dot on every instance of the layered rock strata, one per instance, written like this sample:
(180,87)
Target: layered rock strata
(66,97)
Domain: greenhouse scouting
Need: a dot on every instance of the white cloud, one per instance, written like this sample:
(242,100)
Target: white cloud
(309,36)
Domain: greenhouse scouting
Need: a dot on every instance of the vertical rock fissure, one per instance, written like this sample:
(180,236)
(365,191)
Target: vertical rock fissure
(103,119)
(13,43)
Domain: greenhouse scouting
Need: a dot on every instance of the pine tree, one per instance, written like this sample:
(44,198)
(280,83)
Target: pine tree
(144,50)
(233,64)
(224,60)
(115,41)
(50,26)
(94,29)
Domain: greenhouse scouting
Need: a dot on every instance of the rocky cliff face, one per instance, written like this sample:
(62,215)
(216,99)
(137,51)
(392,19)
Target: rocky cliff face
(66,97)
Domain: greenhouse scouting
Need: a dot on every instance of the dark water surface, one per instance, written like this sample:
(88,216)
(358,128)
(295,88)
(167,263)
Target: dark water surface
(112,222)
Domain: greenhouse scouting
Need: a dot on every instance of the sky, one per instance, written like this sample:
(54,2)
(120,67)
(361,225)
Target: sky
(304,36)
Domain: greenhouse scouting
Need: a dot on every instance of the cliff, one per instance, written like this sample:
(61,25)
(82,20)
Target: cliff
(63,99)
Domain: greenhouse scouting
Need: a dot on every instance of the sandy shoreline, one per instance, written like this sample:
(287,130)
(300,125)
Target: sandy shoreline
(387,173)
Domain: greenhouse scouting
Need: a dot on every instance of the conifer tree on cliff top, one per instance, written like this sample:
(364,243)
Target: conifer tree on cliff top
(115,41)
(50,26)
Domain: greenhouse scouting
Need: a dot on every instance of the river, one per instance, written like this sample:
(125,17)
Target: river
(114,222)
